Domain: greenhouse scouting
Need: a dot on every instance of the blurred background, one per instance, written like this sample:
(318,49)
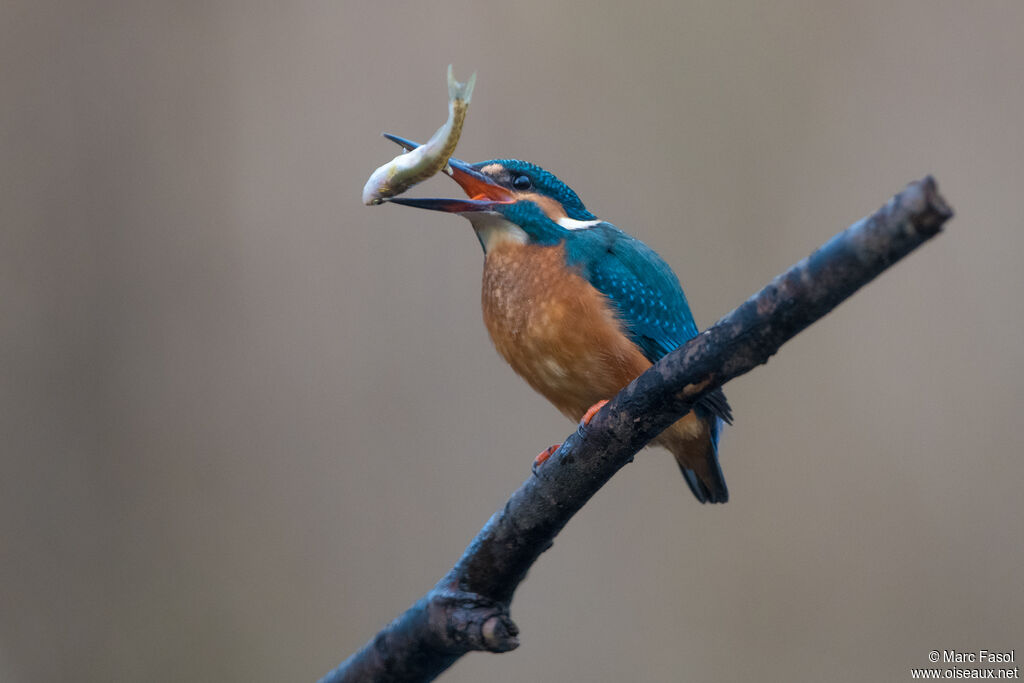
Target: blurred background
(246,421)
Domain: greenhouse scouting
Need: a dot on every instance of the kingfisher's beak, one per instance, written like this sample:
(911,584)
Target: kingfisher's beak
(449,205)
(405,143)
(483,191)
(478,185)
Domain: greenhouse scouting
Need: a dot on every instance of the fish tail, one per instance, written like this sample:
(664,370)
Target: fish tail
(460,91)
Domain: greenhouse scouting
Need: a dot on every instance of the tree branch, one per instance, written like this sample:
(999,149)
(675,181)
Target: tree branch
(468,609)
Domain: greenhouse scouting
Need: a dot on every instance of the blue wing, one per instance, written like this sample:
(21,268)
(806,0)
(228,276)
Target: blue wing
(656,317)
(645,292)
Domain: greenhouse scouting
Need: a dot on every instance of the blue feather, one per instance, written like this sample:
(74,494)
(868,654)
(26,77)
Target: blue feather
(646,295)
(644,290)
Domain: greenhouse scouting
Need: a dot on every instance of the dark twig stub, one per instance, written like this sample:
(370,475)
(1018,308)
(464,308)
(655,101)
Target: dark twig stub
(468,609)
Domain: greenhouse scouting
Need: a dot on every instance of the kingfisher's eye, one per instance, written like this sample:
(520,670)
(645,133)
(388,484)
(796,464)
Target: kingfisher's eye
(522,182)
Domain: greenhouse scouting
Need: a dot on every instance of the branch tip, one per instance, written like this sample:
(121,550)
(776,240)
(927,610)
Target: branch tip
(500,634)
(929,209)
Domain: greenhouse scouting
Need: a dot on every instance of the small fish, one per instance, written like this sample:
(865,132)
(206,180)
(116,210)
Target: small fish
(407,169)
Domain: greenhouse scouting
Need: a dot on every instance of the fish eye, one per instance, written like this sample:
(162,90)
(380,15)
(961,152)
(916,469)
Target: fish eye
(522,182)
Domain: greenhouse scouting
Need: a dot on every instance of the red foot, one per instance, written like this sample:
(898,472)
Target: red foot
(544,455)
(591,412)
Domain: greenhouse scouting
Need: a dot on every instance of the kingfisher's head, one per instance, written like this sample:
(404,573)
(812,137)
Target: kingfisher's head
(527,182)
(509,199)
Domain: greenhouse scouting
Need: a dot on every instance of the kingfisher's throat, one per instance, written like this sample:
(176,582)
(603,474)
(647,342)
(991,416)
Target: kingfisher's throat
(494,230)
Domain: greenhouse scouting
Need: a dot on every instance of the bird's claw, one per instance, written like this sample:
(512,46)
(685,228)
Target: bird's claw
(591,412)
(543,456)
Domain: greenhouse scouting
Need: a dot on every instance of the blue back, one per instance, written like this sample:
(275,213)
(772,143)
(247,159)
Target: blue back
(644,290)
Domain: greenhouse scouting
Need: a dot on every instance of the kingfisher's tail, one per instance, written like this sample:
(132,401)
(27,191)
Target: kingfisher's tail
(697,457)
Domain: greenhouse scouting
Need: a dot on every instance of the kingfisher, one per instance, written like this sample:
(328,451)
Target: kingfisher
(575,305)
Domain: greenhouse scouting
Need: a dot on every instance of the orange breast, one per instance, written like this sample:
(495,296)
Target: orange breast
(554,329)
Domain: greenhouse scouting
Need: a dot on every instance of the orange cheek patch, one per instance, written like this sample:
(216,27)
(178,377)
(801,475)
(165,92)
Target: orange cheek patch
(551,208)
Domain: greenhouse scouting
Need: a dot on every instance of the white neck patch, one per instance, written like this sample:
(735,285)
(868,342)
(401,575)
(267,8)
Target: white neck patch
(493,229)
(573,224)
